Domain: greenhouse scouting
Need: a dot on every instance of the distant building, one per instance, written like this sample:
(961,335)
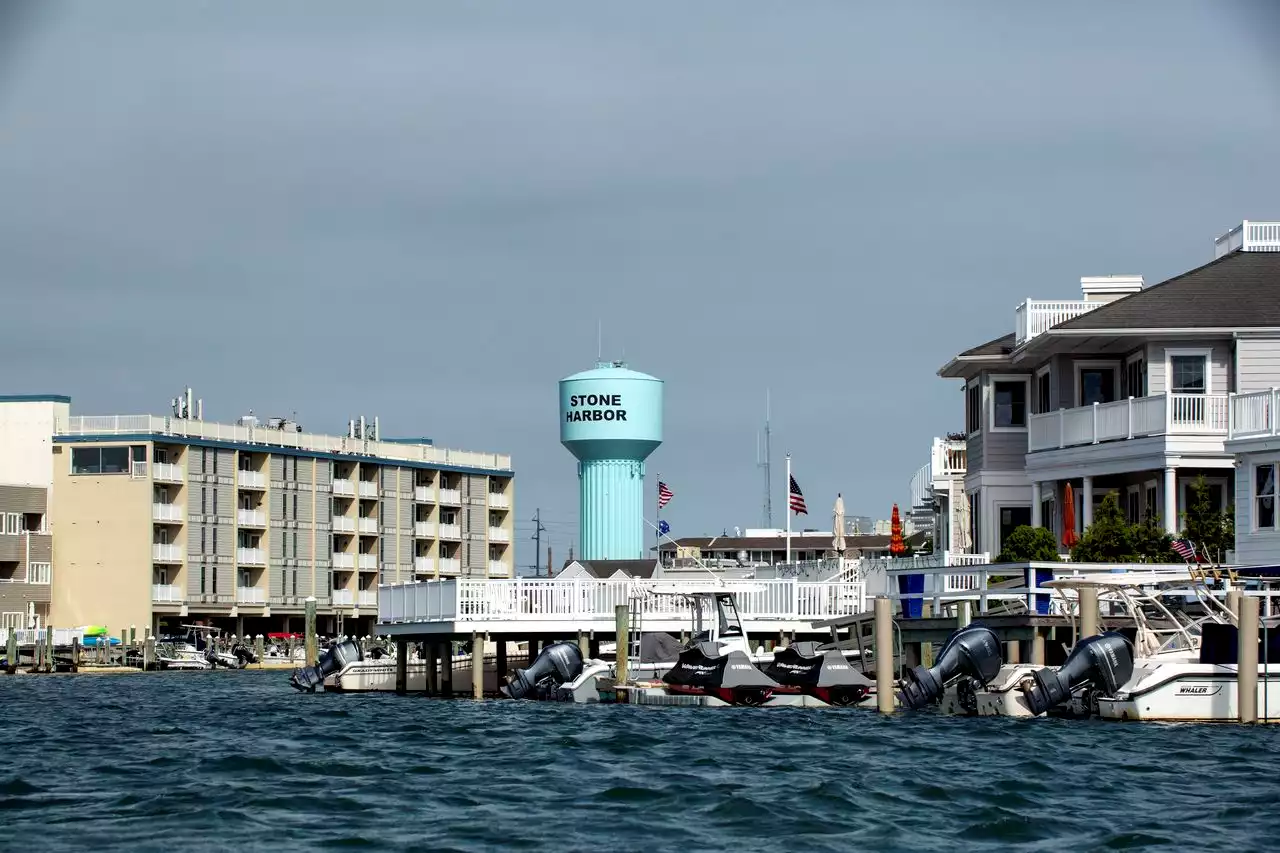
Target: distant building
(764,547)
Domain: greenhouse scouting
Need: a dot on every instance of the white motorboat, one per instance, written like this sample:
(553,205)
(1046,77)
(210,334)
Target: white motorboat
(1190,692)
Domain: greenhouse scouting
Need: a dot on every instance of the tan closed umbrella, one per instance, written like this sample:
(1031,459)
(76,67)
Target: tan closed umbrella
(837,527)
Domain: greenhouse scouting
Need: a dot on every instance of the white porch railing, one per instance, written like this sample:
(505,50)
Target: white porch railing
(499,569)
(950,457)
(250,595)
(424,565)
(1254,415)
(251,557)
(166,592)
(344,561)
(1250,236)
(450,531)
(166,512)
(424,529)
(344,488)
(368,562)
(1135,417)
(450,496)
(367,525)
(367,598)
(450,565)
(424,494)
(1036,316)
(344,597)
(594,600)
(167,472)
(251,518)
(499,501)
(499,534)
(343,524)
(251,479)
(166,553)
(368,489)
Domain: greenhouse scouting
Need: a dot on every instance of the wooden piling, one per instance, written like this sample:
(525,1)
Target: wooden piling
(884,654)
(48,648)
(133,636)
(1233,602)
(1013,652)
(477,665)
(402,666)
(309,629)
(75,654)
(446,669)
(1088,612)
(11,652)
(1247,661)
(260,649)
(149,654)
(622,630)
(1037,648)
(964,614)
(501,661)
(431,651)
(584,646)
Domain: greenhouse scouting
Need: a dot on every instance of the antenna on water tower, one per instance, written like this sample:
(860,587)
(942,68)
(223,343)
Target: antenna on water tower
(599,339)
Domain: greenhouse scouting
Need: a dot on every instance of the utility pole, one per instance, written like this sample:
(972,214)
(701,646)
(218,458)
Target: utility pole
(763,463)
(538,530)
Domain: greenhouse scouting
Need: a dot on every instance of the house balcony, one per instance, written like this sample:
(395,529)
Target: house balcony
(424,529)
(165,553)
(344,561)
(166,593)
(367,598)
(344,488)
(450,566)
(424,494)
(251,518)
(344,598)
(367,562)
(424,565)
(342,524)
(167,513)
(1254,416)
(1136,417)
(251,557)
(499,534)
(167,472)
(367,525)
(950,458)
(451,531)
(452,497)
(251,480)
(250,595)
(499,569)
(1037,316)
(499,501)
(368,489)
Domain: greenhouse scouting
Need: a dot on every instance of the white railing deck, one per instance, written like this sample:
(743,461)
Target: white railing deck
(344,561)
(1037,316)
(424,494)
(167,512)
(587,602)
(251,479)
(950,457)
(450,531)
(367,597)
(424,529)
(368,489)
(1134,417)
(344,597)
(166,592)
(368,561)
(499,534)
(1250,236)
(251,518)
(343,524)
(344,488)
(250,595)
(450,496)
(450,565)
(1254,415)
(251,556)
(29,636)
(499,501)
(191,428)
(424,565)
(167,472)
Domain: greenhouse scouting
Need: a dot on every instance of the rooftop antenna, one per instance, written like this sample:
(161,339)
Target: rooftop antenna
(763,462)
(599,340)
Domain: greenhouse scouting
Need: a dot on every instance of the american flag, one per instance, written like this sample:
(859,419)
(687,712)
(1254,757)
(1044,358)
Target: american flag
(664,494)
(797,499)
(1186,548)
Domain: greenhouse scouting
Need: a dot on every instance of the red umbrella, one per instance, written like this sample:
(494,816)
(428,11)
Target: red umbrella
(897,547)
(1069,537)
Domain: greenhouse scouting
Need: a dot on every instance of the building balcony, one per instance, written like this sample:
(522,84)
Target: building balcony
(344,561)
(451,531)
(342,524)
(367,525)
(499,534)
(343,598)
(250,595)
(368,489)
(165,553)
(367,598)
(166,472)
(424,529)
(251,480)
(167,513)
(452,497)
(499,501)
(367,562)
(424,494)
(166,592)
(1037,316)
(251,518)
(450,566)
(1136,417)
(251,557)
(1255,415)
(499,569)
(950,458)
(424,565)
(345,488)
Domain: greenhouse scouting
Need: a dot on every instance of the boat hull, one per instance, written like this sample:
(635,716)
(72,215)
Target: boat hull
(1190,692)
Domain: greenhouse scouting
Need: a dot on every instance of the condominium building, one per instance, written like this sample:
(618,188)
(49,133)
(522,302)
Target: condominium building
(937,496)
(26,554)
(170,519)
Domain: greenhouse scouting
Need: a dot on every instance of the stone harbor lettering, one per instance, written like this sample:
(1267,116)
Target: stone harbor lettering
(602,407)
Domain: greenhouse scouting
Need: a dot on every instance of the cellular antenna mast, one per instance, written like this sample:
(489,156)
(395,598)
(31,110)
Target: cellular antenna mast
(762,461)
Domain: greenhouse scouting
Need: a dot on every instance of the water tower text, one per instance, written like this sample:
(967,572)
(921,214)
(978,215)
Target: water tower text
(604,407)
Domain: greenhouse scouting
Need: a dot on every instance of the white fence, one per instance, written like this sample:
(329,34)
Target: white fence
(1037,316)
(1135,417)
(28,637)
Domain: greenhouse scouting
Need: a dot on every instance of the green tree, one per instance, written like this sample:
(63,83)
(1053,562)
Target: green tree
(1213,532)
(1109,539)
(1027,544)
(1151,543)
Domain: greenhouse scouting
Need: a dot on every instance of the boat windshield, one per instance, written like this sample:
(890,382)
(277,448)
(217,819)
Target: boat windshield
(727,616)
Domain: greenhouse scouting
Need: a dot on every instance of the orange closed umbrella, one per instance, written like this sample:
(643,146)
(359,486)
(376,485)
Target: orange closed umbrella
(1069,537)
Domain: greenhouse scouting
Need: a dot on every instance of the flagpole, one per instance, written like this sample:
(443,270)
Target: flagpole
(657,534)
(788,507)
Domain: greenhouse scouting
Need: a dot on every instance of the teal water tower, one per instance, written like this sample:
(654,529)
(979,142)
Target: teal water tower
(611,420)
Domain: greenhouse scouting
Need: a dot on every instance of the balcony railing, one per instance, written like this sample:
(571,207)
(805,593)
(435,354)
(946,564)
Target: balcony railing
(424,529)
(451,531)
(1135,417)
(344,561)
(950,457)
(344,488)
(1255,415)
(166,553)
(367,562)
(499,501)
(450,565)
(424,494)
(498,534)
(343,524)
(451,496)
(167,472)
(167,512)
(166,592)
(344,597)
(499,569)
(424,565)
(368,489)
(251,518)
(250,595)
(1037,316)
(367,598)
(251,479)
(251,556)
(367,525)
(1250,236)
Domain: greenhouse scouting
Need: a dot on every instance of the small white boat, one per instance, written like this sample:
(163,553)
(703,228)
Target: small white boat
(1189,692)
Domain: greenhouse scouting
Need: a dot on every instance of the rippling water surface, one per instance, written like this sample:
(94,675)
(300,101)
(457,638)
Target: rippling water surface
(218,761)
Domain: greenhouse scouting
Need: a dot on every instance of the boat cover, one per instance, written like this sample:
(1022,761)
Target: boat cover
(802,665)
(702,666)
(658,647)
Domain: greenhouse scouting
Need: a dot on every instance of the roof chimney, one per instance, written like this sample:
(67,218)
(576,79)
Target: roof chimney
(1109,288)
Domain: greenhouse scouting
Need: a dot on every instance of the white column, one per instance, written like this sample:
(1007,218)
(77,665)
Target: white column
(1086,497)
(1036,520)
(951,515)
(1171,501)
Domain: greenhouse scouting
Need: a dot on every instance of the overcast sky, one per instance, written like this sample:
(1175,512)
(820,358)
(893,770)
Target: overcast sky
(420,211)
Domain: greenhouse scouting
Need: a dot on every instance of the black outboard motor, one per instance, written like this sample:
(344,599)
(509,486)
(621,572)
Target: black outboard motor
(245,654)
(1105,661)
(972,652)
(558,664)
(333,659)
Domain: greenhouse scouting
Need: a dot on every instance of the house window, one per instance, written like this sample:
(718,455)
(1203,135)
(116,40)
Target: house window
(1046,513)
(1264,497)
(1152,507)
(99,460)
(1011,518)
(1188,374)
(1009,402)
(38,573)
(1044,396)
(1133,505)
(203,573)
(12,523)
(973,408)
(1097,385)
(1135,377)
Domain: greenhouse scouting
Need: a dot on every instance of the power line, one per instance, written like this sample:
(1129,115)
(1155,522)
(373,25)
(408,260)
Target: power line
(538,530)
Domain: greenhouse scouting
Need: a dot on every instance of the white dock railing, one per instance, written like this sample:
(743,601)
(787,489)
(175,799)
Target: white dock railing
(29,636)
(588,601)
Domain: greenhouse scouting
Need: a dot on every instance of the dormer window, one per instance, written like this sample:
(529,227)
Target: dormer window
(1009,404)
